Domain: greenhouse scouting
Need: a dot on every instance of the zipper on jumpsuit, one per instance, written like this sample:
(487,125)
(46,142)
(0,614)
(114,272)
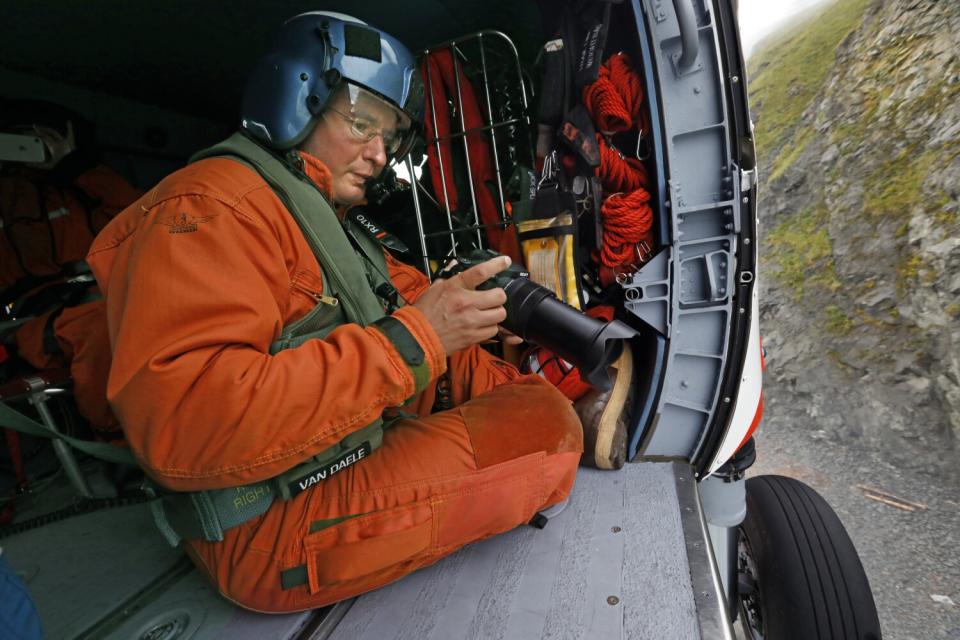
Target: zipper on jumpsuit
(316,295)
(298,164)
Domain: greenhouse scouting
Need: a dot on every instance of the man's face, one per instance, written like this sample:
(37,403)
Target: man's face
(351,160)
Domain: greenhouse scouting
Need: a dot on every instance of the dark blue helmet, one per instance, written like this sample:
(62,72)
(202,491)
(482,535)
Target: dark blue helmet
(312,55)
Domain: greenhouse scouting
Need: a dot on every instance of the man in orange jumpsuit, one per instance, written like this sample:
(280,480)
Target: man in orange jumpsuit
(209,269)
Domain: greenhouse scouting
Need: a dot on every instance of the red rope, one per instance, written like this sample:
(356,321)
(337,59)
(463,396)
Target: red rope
(627,220)
(616,97)
(614,102)
(618,173)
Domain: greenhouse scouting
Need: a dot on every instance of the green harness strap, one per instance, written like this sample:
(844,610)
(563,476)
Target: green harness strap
(13,419)
(349,284)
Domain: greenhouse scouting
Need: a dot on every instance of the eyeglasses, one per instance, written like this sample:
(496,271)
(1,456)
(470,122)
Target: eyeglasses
(365,130)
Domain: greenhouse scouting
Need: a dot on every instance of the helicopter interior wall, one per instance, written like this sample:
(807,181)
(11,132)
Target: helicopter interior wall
(192,56)
(142,142)
(158,94)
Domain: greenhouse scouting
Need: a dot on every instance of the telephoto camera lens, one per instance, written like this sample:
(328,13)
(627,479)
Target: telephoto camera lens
(535,314)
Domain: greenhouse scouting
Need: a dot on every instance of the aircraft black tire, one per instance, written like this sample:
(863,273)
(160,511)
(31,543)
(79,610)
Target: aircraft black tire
(799,569)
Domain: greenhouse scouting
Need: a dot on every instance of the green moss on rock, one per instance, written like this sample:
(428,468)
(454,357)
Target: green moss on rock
(837,322)
(790,153)
(802,252)
(894,188)
(913,269)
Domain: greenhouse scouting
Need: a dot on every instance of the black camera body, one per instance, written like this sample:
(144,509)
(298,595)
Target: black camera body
(535,314)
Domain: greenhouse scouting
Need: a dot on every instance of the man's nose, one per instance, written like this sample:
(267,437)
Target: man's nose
(375,151)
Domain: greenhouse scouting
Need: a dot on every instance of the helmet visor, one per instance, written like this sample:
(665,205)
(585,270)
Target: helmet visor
(369,116)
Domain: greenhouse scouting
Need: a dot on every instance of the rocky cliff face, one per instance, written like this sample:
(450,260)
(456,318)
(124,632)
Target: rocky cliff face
(857,114)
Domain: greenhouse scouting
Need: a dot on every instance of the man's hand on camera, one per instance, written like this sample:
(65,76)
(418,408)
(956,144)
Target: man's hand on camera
(460,314)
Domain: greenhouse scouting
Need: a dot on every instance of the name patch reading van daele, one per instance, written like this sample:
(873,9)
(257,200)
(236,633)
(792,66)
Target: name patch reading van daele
(307,480)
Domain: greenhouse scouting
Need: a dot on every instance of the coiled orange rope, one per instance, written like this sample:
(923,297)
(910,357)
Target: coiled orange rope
(627,220)
(618,173)
(614,102)
(616,97)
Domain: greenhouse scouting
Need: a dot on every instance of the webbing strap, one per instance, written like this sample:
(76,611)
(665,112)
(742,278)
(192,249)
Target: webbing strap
(546,232)
(208,514)
(294,577)
(160,519)
(408,348)
(10,417)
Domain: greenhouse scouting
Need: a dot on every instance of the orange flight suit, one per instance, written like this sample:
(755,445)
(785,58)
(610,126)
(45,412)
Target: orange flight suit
(200,276)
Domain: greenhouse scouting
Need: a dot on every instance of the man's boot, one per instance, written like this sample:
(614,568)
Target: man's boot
(604,415)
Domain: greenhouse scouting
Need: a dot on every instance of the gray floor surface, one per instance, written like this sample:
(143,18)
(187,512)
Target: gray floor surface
(613,564)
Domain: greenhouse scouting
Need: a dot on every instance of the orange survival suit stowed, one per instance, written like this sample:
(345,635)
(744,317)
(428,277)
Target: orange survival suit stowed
(47,224)
(49,221)
(200,276)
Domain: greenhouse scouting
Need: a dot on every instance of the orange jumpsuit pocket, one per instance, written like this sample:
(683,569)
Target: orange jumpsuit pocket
(502,498)
(307,283)
(368,545)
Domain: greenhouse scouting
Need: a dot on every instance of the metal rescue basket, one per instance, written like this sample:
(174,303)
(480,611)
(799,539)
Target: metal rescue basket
(475,86)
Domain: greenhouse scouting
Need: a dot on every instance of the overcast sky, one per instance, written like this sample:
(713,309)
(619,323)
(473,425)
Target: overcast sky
(760,17)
